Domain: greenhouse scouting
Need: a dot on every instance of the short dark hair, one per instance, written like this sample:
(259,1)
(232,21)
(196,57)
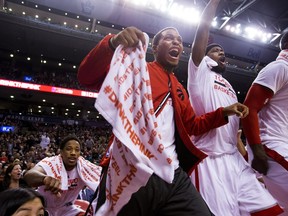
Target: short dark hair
(158,35)
(67,139)
(12,199)
(284,41)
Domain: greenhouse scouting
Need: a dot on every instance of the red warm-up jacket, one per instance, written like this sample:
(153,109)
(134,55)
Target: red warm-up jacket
(94,68)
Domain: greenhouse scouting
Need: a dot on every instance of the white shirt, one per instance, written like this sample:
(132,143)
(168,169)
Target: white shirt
(208,91)
(55,203)
(273,117)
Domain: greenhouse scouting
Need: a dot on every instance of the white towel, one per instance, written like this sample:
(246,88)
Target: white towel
(283,55)
(210,62)
(125,101)
(88,172)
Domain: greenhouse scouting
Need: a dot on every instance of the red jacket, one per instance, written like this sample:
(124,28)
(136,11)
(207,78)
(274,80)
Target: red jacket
(94,68)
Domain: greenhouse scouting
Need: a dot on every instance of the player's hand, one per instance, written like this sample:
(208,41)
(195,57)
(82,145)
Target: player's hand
(237,109)
(53,185)
(260,160)
(129,37)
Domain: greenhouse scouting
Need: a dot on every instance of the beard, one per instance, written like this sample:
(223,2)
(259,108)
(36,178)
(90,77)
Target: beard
(218,69)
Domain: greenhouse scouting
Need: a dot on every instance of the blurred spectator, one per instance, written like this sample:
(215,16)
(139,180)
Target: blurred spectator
(2,173)
(86,194)
(3,158)
(45,140)
(12,177)
(19,201)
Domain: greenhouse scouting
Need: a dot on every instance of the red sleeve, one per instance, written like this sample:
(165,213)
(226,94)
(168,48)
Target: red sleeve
(204,123)
(194,125)
(256,98)
(95,66)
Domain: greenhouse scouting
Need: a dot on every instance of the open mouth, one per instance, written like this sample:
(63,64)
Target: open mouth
(222,59)
(174,53)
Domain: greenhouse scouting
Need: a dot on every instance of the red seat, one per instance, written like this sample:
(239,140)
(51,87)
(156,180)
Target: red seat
(83,204)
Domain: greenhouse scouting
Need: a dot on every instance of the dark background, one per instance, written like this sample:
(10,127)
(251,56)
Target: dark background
(24,35)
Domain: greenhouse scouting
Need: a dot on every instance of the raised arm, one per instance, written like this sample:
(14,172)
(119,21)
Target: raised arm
(202,32)
(95,66)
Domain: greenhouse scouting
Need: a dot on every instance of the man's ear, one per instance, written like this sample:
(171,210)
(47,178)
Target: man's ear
(154,49)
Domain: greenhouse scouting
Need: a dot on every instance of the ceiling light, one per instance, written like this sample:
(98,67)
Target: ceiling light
(227,27)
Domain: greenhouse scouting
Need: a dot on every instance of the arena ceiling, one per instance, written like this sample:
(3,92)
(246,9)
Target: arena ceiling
(21,34)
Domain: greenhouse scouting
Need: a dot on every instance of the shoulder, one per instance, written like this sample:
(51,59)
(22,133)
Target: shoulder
(274,69)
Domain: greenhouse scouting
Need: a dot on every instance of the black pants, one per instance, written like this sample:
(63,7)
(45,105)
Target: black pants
(162,199)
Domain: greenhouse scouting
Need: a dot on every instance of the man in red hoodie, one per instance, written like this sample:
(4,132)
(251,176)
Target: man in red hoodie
(176,121)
